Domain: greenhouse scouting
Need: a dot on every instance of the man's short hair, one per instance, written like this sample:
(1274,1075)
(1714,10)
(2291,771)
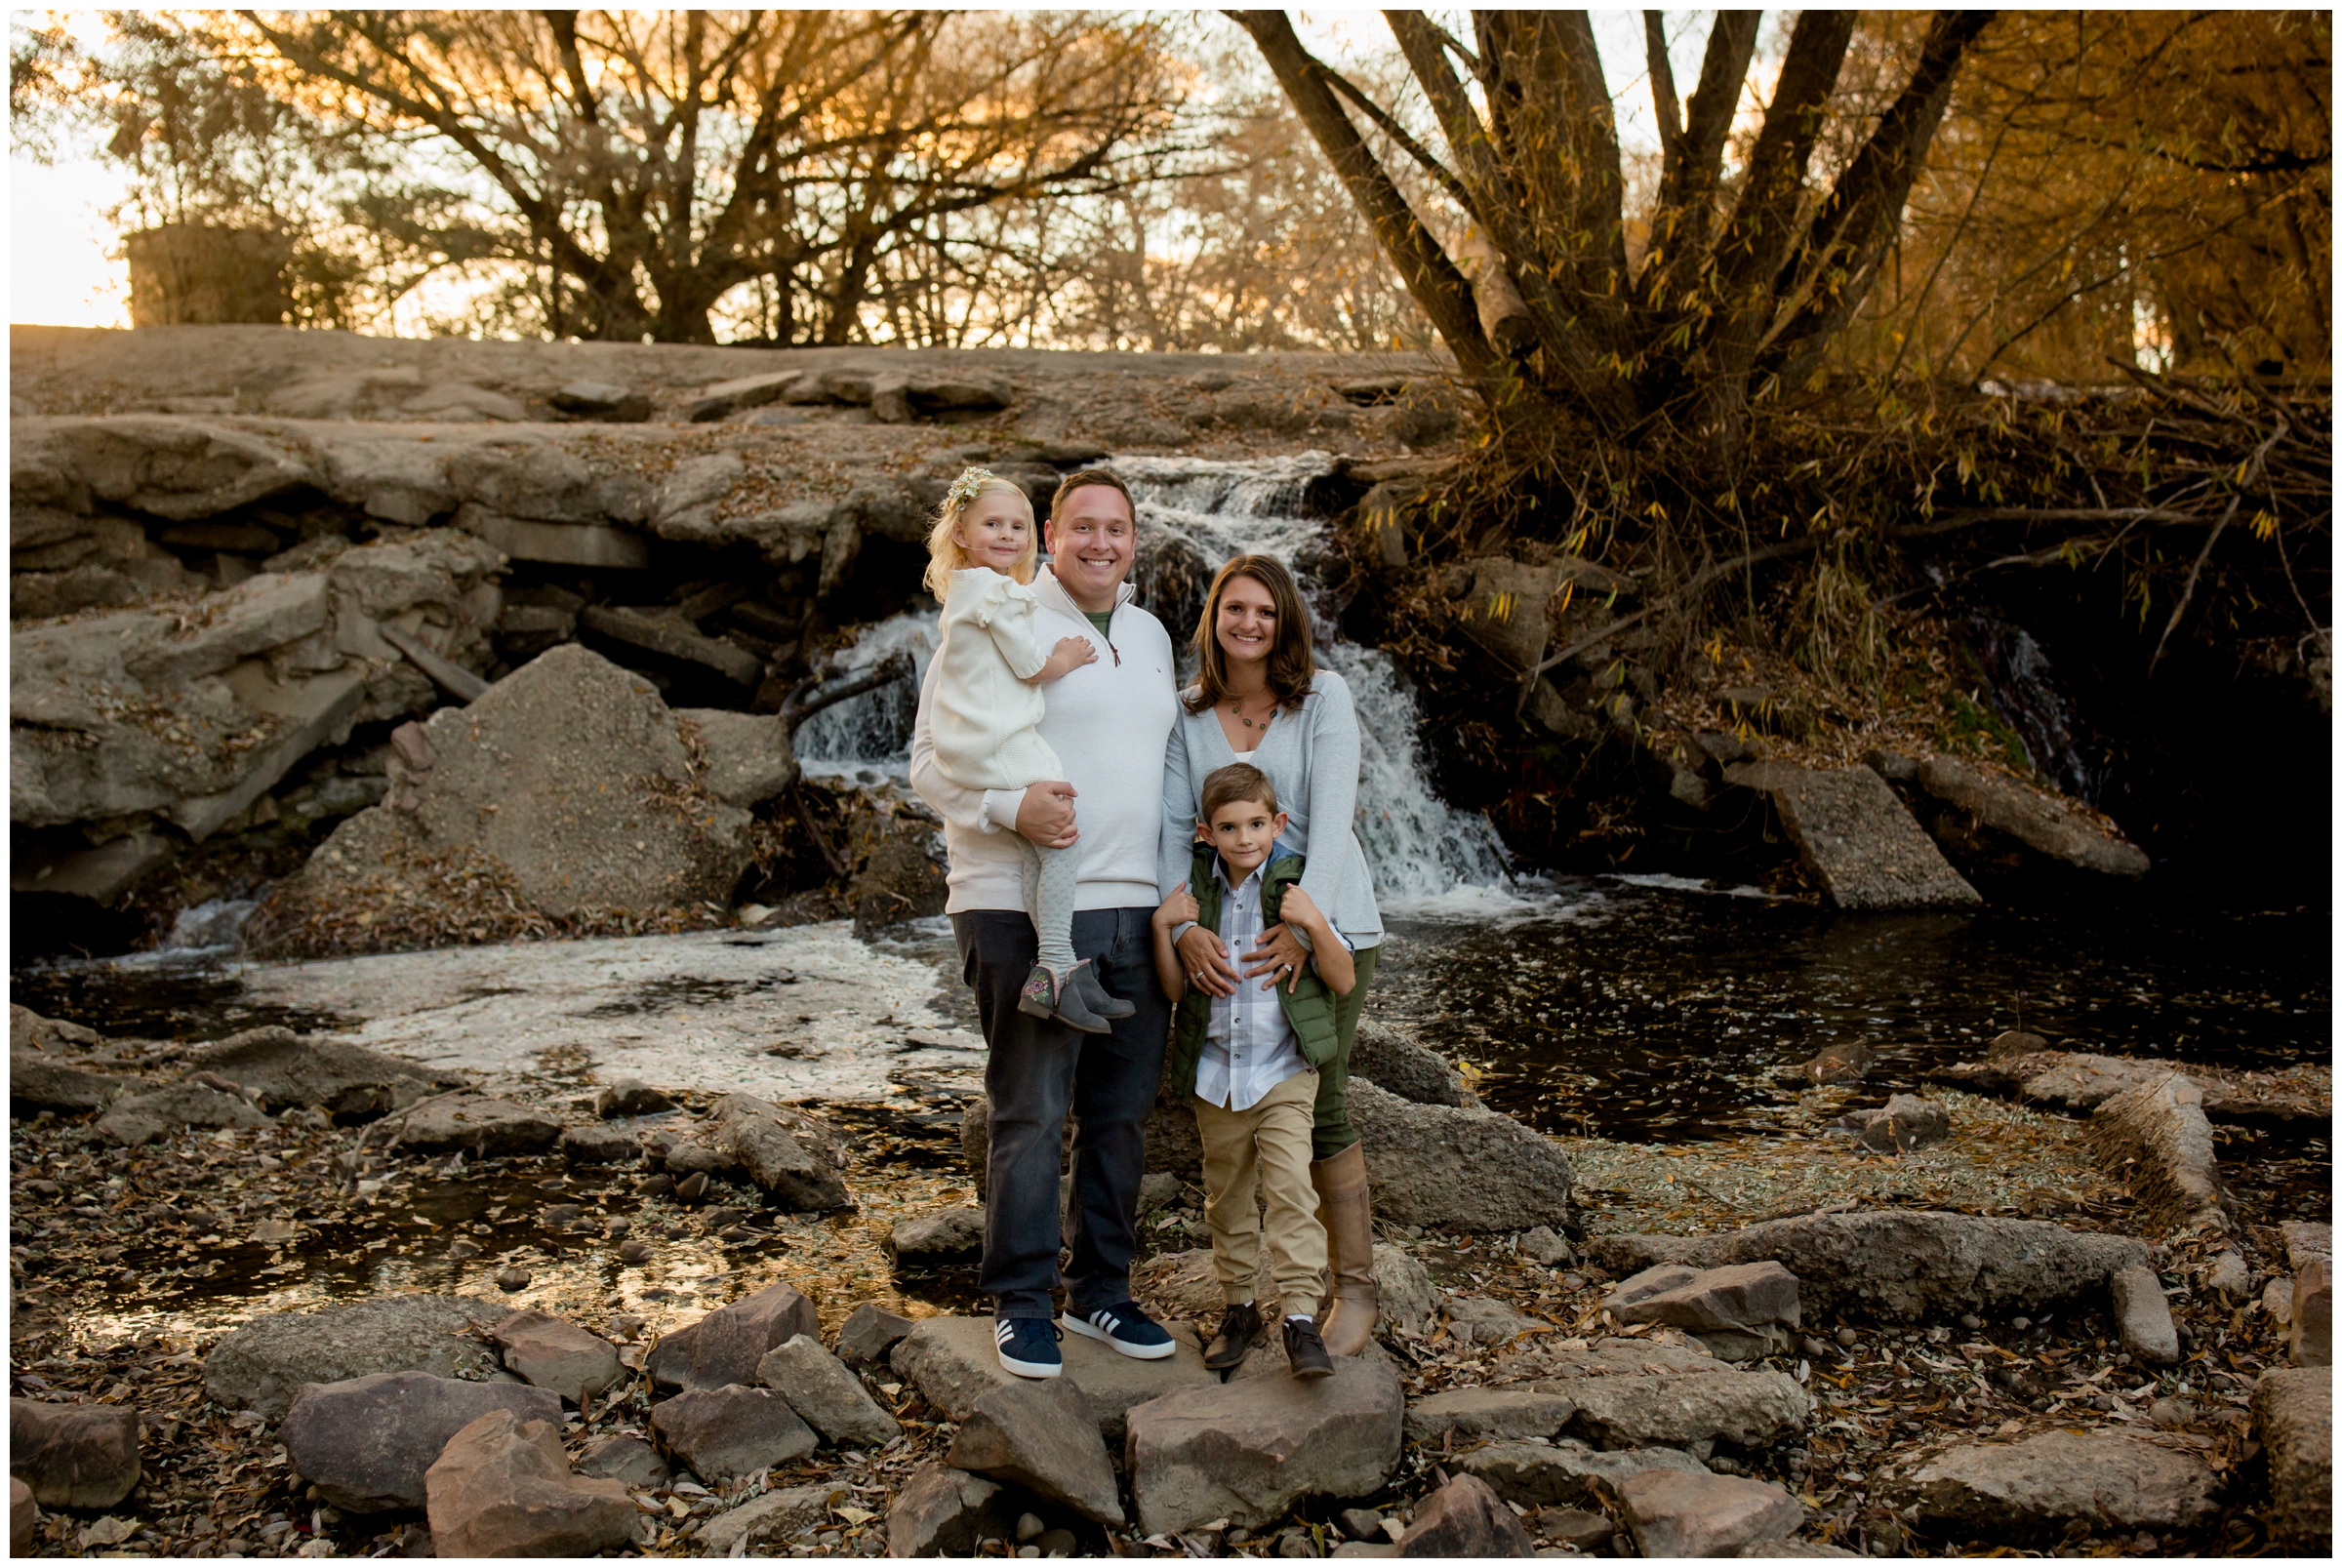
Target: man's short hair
(1082,479)
(1238,781)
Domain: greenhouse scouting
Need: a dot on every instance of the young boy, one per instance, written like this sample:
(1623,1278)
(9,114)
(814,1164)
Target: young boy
(1249,1063)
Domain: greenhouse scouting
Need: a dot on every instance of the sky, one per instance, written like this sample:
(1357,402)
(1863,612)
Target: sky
(65,268)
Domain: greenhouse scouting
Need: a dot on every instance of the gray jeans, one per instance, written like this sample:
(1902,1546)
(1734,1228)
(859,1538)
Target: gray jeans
(1040,1070)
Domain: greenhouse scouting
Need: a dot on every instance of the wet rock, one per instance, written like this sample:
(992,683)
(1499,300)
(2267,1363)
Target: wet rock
(1485,1415)
(869,1334)
(263,1365)
(2310,1341)
(366,1442)
(2293,1416)
(2031,1490)
(731,1431)
(953,1363)
(2158,1139)
(1522,1179)
(1039,1435)
(522,777)
(790,1153)
(73,1455)
(141,1118)
(1901,1265)
(36,1084)
(626,1458)
(725,1347)
(597,1144)
(502,1488)
(1394,1060)
(630,1097)
(947,1236)
(2143,1318)
(831,1399)
(767,1517)
(469,1123)
(1544,1248)
(1564,1473)
(1676,1515)
(1679,1410)
(1465,1518)
(1248,1450)
(556,1355)
(282,1069)
(1857,838)
(943,1512)
(1996,807)
(1905,1123)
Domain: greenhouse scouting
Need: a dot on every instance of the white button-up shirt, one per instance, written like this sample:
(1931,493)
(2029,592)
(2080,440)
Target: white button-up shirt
(1248,1047)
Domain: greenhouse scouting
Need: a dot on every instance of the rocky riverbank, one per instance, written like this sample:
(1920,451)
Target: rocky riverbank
(1672,1365)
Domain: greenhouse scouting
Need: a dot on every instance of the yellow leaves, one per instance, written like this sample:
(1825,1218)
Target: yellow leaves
(2262,525)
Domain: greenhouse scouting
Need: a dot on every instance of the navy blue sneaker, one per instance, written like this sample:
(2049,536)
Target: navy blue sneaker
(1028,1345)
(1124,1327)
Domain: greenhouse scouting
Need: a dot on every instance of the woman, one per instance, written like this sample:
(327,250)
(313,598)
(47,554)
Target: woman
(1259,698)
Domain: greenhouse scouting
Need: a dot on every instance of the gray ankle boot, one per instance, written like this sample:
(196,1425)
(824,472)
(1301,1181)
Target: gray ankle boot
(1085,983)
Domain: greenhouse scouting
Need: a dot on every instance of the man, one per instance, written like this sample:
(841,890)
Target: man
(1110,722)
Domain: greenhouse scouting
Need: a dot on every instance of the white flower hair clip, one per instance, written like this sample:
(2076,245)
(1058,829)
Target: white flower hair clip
(967,486)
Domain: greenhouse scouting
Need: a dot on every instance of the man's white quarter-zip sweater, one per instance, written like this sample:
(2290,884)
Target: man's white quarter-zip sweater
(1111,724)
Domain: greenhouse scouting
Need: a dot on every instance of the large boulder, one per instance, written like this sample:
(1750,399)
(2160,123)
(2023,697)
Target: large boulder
(1391,1056)
(36,1083)
(502,1488)
(73,1455)
(1246,1451)
(366,1442)
(281,1068)
(953,1363)
(827,1397)
(731,1432)
(2294,1411)
(1901,1265)
(1987,819)
(790,1153)
(1461,1416)
(1520,1178)
(2032,1490)
(263,1365)
(572,776)
(474,1124)
(727,1345)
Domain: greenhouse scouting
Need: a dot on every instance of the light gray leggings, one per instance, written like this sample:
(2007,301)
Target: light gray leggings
(1051,877)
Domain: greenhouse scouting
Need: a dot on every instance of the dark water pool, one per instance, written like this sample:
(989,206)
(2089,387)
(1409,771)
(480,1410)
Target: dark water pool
(1628,1010)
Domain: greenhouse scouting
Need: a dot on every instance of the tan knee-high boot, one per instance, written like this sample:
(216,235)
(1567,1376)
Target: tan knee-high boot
(1352,1301)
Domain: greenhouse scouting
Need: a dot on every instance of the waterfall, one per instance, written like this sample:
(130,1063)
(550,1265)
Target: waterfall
(1193,515)
(2025,690)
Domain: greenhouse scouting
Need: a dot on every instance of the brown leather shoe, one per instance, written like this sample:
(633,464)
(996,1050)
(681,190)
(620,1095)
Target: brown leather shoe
(1306,1350)
(1352,1301)
(1239,1331)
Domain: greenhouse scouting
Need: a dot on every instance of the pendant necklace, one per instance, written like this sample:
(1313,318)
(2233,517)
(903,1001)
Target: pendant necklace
(1237,708)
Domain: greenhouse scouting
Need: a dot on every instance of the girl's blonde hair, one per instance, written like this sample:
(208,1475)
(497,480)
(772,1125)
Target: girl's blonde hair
(944,554)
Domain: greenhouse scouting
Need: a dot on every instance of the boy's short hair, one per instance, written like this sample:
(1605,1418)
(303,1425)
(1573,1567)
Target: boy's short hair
(1238,781)
(1083,479)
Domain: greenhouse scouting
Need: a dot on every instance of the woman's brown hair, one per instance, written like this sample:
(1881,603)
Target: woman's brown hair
(1290,667)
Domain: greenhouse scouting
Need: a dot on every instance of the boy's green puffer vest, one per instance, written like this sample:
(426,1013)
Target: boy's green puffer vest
(1310,1009)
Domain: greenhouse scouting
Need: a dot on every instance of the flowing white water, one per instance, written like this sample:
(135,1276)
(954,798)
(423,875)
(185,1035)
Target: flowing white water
(1198,513)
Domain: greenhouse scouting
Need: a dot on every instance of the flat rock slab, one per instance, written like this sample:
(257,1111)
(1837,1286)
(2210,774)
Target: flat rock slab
(284,1068)
(478,1125)
(37,1083)
(2031,1489)
(1675,1513)
(1539,1475)
(1038,1435)
(73,1455)
(366,1443)
(1675,1410)
(1858,838)
(2078,1082)
(1903,1265)
(2293,1412)
(555,1355)
(1486,1415)
(2159,1141)
(1521,1178)
(1248,1450)
(953,1363)
(502,1488)
(1465,1518)
(263,1365)
(727,1345)
(2041,822)
(732,1431)
(827,1397)
(943,1512)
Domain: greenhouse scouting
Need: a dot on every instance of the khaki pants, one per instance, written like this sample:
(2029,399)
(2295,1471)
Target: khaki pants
(1268,1146)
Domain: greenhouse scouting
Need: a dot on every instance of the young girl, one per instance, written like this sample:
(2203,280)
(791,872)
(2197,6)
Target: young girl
(988,711)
